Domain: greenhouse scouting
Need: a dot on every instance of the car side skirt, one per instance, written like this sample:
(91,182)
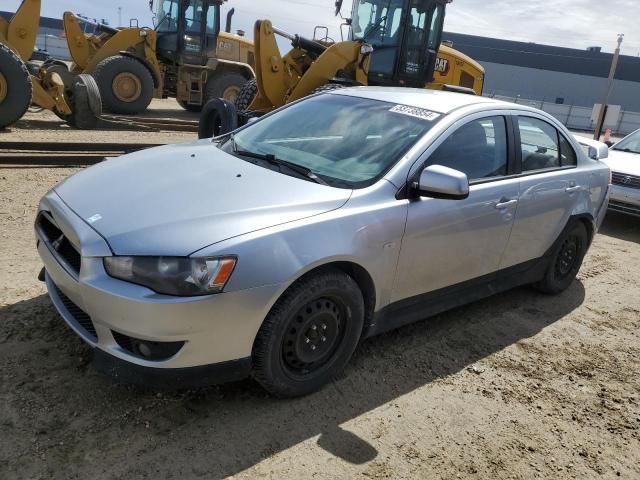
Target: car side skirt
(427,305)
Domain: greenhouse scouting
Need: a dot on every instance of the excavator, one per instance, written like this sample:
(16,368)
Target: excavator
(390,43)
(186,56)
(73,98)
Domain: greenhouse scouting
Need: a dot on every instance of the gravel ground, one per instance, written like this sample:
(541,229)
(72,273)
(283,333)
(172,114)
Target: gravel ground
(521,385)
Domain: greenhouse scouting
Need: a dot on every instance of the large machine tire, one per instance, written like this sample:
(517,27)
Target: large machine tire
(15,87)
(247,94)
(225,85)
(329,87)
(125,84)
(87,105)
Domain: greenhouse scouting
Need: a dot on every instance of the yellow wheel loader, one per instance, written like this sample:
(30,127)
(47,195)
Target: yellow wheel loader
(186,56)
(391,43)
(75,99)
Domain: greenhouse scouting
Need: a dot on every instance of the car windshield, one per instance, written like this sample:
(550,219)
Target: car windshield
(346,141)
(630,143)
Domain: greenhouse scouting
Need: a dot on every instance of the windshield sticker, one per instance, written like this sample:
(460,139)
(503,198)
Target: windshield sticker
(415,112)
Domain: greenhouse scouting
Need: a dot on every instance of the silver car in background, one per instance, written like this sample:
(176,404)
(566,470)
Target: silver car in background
(624,161)
(274,250)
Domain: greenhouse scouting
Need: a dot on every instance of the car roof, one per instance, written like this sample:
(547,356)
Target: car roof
(434,100)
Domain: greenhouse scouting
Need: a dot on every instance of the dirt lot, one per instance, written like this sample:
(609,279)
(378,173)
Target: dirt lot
(518,386)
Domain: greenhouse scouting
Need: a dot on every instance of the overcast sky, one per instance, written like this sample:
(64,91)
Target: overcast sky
(571,23)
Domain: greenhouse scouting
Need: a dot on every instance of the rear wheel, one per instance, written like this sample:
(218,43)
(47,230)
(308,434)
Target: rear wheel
(566,260)
(15,87)
(225,85)
(309,335)
(125,84)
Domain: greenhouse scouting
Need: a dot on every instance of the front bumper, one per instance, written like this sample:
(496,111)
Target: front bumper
(625,200)
(215,333)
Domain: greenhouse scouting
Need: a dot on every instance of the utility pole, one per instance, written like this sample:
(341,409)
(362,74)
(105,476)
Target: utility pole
(119,16)
(605,103)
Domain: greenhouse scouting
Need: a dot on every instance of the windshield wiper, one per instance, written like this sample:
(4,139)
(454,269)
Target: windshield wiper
(273,160)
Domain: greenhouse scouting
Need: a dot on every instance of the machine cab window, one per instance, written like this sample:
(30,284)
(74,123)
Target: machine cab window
(188,26)
(405,35)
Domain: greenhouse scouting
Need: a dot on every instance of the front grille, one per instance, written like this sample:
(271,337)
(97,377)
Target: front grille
(82,319)
(624,180)
(58,242)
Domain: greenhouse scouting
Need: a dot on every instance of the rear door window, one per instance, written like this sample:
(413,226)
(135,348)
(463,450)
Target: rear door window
(568,157)
(539,143)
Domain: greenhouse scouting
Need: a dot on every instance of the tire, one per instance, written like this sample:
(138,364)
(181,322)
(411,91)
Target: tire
(222,85)
(189,107)
(137,82)
(309,335)
(218,117)
(16,88)
(566,260)
(246,95)
(87,108)
(329,87)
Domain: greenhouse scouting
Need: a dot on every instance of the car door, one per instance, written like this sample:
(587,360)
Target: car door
(448,242)
(550,188)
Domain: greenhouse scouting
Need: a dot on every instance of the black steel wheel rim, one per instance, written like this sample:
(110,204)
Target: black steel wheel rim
(313,335)
(567,257)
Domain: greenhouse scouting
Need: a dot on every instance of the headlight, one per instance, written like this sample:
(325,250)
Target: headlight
(366,49)
(178,276)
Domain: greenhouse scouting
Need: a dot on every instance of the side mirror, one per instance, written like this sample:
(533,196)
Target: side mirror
(437,181)
(595,150)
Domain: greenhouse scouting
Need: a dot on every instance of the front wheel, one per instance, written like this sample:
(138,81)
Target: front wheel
(309,335)
(566,260)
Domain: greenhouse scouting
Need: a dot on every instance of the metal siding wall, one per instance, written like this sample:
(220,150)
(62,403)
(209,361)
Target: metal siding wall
(546,86)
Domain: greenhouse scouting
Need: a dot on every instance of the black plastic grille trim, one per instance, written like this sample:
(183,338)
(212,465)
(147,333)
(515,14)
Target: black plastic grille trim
(159,350)
(59,243)
(622,207)
(79,315)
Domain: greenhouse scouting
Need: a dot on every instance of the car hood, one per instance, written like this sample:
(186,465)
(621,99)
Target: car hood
(623,162)
(178,199)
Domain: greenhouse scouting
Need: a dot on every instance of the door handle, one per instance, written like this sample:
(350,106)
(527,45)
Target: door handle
(577,188)
(506,204)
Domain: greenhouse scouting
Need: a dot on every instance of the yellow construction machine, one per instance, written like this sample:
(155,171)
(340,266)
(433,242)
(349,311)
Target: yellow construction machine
(75,99)
(186,56)
(390,43)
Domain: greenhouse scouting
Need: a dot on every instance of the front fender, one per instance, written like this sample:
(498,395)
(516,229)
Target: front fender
(366,231)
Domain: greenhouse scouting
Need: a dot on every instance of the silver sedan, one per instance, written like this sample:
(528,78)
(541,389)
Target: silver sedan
(274,250)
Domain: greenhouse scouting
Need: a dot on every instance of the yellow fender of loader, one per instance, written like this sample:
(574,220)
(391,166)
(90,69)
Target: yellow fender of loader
(23,28)
(141,41)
